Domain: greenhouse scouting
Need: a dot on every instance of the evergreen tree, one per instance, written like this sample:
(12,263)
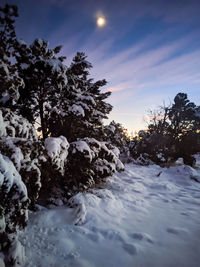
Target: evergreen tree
(81,108)
(117,135)
(184,127)
(9,79)
(183,116)
(44,75)
(173,132)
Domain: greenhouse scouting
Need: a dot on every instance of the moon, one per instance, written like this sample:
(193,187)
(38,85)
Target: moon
(101,21)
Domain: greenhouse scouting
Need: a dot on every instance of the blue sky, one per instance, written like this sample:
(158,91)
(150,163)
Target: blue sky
(148,51)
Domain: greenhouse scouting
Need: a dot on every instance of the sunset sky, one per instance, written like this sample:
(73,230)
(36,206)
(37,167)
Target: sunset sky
(148,51)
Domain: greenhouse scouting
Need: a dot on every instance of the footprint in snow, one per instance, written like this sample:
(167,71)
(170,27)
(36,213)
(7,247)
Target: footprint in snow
(93,237)
(136,191)
(140,236)
(176,231)
(185,214)
(130,248)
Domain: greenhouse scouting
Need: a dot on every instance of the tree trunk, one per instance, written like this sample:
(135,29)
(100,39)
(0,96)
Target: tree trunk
(44,130)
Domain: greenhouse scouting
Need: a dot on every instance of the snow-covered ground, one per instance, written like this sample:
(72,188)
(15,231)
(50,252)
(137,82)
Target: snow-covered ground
(145,216)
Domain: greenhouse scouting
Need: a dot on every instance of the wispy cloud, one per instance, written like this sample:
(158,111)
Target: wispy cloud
(143,63)
(140,73)
(163,65)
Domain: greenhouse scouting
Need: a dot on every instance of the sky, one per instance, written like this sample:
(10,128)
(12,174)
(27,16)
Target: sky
(148,50)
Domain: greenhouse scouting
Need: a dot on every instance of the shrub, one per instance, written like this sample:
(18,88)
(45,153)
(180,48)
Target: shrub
(90,161)
(13,206)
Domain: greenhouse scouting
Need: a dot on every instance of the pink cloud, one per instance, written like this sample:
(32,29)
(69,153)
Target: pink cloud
(115,89)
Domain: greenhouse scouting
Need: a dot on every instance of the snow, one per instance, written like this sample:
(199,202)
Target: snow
(4,67)
(14,192)
(9,177)
(22,42)
(57,150)
(17,155)
(55,64)
(12,125)
(16,253)
(24,66)
(2,224)
(3,125)
(39,41)
(1,262)
(87,98)
(161,157)
(144,216)
(77,110)
(111,128)
(82,147)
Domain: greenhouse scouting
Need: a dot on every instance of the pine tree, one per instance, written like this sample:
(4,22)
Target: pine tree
(182,116)
(44,75)
(10,82)
(173,132)
(81,108)
(184,127)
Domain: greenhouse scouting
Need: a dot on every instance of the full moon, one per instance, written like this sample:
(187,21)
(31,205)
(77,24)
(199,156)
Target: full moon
(101,21)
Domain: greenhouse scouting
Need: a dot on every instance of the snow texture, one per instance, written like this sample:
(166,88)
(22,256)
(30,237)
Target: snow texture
(16,253)
(12,125)
(145,216)
(27,160)
(9,177)
(82,147)
(13,210)
(57,150)
(2,264)
(77,110)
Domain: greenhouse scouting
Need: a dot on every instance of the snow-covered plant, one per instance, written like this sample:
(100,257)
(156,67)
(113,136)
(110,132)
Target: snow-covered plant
(13,207)
(57,150)
(90,161)
(13,125)
(44,76)
(173,132)
(116,134)
(27,156)
(19,142)
(81,106)
(10,82)
(148,148)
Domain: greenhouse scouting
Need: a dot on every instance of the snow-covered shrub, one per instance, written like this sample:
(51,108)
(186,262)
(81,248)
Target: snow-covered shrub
(148,148)
(143,159)
(16,252)
(12,125)
(10,82)
(90,161)
(19,142)
(117,135)
(57,150)
(107,161)
(13,206)
(53,170)
(27,157)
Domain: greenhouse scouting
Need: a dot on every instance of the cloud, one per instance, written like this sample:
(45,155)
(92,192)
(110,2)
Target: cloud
(141,78)
(115,89)
(146,51)
(163,65)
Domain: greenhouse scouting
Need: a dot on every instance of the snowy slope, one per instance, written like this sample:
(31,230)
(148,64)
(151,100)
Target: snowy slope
(146,216)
